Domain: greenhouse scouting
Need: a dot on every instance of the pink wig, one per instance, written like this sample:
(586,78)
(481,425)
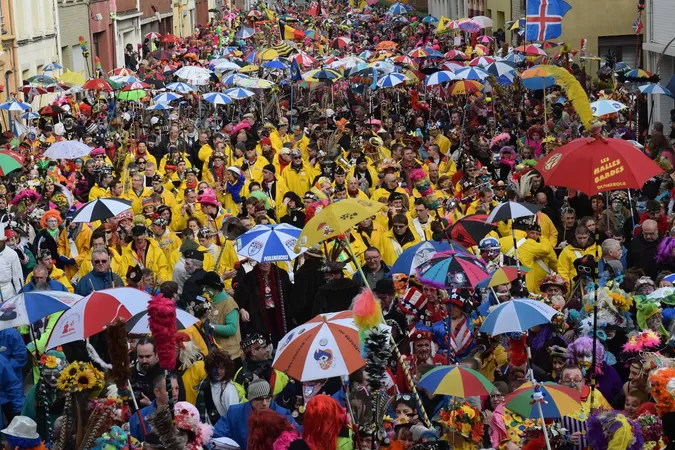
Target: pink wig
(664,252)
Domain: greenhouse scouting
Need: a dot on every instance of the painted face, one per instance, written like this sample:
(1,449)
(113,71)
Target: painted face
(655,321)
(631,406)
(422,349)
(617,206)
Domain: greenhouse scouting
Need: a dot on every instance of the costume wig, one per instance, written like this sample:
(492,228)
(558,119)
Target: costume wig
(665,249)
(612,430)
(266,427)
(324,418)
(52,213)
(663,389)
(582,349)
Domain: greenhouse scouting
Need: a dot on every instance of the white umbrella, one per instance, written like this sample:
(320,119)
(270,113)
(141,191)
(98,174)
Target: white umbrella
(484,21)
(67,150)
(100,209)
(226,66)
(193,73)
(182,88)
(139,324)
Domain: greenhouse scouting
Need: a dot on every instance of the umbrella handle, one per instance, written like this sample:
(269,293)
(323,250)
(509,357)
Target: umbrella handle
(543,426)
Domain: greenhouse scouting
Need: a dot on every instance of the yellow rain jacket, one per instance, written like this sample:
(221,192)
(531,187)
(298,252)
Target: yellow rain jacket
(539,257)
(168,242)
(569,254)
(299,181)
(391,249)
(81,247)
(115,264)
(97,192)
(155,260)
(254,172)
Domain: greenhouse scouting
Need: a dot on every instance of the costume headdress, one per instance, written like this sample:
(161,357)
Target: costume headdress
(612,430)
(580,352)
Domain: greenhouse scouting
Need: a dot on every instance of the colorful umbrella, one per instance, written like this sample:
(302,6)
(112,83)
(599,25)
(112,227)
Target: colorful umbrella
(418,52)
(413,257)
(481,61)
(530,50)
(391,80)
(14,105)
(166,97)
(457,381)
(500,68)
(56,88)
(98,84)
(465,87)
(153,35)
(10,161)
(638,73)
(340,42)
(276,65)
(323,74)
(72,78)
(470,26)
(41,79)
(337,218)
(101,209)
(32,89)
(30,115)
(239,93)
(123,79)
(304,59)
(52,67)
(67,150)
(517,316)
(447,270)
(159,107)
(162,55)
(653,88)
(182,88)
(386,45)
(469,230)
(26,308)
(94,312)
(52,110)
(515,58)
(558,401)
(139,323)
(456,55)
(603,107)
(597,165)
(484,21)
(398,8)
(439,77)
(503,275)
(269,243)
(327,346)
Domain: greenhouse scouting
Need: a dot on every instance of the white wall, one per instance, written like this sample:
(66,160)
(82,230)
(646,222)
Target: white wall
(659,31)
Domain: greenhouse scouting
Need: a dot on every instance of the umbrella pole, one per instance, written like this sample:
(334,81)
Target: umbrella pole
(543,425)
(515,249)
(392,342)
(345,386)
(630,205)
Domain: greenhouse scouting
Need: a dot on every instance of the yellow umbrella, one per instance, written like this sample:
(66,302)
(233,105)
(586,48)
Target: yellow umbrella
(337,218)
(412,77)
(268,54)
(72,78)
(249,68)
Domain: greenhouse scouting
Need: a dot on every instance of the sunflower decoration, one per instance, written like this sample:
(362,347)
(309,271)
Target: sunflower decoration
(463,419)
(79,377)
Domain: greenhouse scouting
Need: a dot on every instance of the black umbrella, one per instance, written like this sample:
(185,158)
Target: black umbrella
(101,209)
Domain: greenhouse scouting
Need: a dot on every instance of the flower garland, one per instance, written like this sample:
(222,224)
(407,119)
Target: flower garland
(652,429)
(463,419)
(80,376)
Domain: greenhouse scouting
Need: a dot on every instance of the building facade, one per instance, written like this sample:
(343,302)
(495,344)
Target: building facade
(102,34)
(156,16)
(72,15)
(659,54)
(184,17)
(454,9)
(127,28)
(9,76)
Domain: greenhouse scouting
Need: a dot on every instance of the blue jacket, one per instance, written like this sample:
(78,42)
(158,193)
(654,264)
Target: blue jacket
(11,388)
(53,286)
(234,424)
(359,279)
(14,350)
(135,422)
(97,281)
(602,281)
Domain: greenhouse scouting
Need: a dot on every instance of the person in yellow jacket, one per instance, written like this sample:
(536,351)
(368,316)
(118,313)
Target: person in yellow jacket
(173,156)
(275,188)
(421,223)
(549,232)
(100,189)
(137,192)
(141,151)
(252,164)
(167,240)
(232,193)
(370,232)
(145,253)
(98,242)
(56,274)
(298,176)
(533,253)
(210,213)
(398,239)
(582,244)
(73,244)
(279,135)
(389,186)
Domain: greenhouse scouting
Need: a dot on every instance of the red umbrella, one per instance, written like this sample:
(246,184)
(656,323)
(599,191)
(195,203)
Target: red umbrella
(153,35)
(57,87)
(136,85)
(340,42)
(162,55)
(469,230)
(168,39)
(98,84)
(52,110)
(31,89)
(597,165)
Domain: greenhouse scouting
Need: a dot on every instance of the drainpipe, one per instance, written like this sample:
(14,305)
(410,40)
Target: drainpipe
(15,47)
(57,30)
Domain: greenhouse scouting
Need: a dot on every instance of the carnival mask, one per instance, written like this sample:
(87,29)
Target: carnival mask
(617,206)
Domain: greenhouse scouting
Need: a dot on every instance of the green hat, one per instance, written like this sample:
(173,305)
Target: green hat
(645,310)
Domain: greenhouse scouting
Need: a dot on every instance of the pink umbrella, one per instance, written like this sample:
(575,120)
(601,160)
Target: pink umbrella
(485,39)
(481,61)
(470,26)
(456,55)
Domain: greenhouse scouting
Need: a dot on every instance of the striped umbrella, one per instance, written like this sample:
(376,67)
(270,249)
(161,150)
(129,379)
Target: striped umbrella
(323,74)
(419,52)
(31,115)
(398,8)
(32,89)
(217,98)
(653,88)
(530,50)
(447,270)
(123,79)
(270,243)
(638,73)
(405,61)
(391,80)
(481,61)
(471,73)
(166,97)
(517,316)
(499,68)
(340,42)
(285,48)
(101,209)
(558,401)
(159,107)
(180,87)
(503,275)
(245,33)
(465,87)
(515,58)
(239,93)
(233,78)
(415,256)
(469,230)
(140,324)
(10,161)
(440,77)
(457,381)
(304,59)
(456,55)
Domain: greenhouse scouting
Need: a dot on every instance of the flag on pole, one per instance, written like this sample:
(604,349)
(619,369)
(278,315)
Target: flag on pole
(295,70)
(291,34)
(544,19)
(637,25)
(443,24)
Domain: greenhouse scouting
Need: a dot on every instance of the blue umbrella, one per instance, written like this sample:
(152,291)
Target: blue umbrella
(398,8)
(604,107)
(515,58)
(499,68)
(430,19)
(471,73)
(26,308)
(442,76)
(30,115)
(233,78)
(269,243)
(517,316)
(413,257)
(180,87)
(507,79)
(245,33)
(159,107)
(217,98)
(166,97)
(433,53)
(451,269)
(239,93)
(391,80)
(537,83)
(14,105)
(653,88)
(275,64)
(51,67)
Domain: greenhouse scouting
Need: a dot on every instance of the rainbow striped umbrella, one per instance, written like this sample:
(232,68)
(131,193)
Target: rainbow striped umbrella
(555,400)
(457,381)
(503,275)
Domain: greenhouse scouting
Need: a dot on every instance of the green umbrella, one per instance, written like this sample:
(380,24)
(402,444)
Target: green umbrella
(115,85)
(9,161)
(132,95)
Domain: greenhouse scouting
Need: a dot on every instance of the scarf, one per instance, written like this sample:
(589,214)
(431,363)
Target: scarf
(235,189)
(218,173)
(497,427)
(274,292)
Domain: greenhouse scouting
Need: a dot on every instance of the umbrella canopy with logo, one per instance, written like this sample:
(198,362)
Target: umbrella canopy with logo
(26,308)
(270,243)
(67,150)
(452,270)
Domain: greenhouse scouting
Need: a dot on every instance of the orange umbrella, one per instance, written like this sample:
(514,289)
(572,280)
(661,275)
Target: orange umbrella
(465,87)
(386,45)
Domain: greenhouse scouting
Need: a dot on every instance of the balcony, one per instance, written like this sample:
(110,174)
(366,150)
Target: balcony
(126,5)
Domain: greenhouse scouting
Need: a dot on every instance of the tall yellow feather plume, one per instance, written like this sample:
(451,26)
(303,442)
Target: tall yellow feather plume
(623,436)
(574,92)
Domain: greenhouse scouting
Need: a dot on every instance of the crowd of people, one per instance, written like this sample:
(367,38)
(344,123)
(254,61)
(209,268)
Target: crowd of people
(199,176)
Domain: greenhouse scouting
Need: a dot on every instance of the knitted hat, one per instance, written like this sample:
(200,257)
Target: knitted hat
(146,201)
(258,389)
(269,168)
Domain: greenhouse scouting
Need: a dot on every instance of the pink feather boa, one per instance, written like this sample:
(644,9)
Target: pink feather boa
(285,440)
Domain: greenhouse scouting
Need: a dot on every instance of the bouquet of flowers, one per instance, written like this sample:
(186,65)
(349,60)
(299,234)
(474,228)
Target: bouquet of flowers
(79,377)
(463,419)
(652,429)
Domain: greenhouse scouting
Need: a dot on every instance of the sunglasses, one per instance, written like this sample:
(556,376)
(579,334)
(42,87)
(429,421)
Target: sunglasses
(140,162)
(100,261)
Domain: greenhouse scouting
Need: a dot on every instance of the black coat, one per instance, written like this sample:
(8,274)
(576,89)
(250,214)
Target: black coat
(642,254)
(308,279)
(335,296)
(248,294)
(44,241)
(191,289)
